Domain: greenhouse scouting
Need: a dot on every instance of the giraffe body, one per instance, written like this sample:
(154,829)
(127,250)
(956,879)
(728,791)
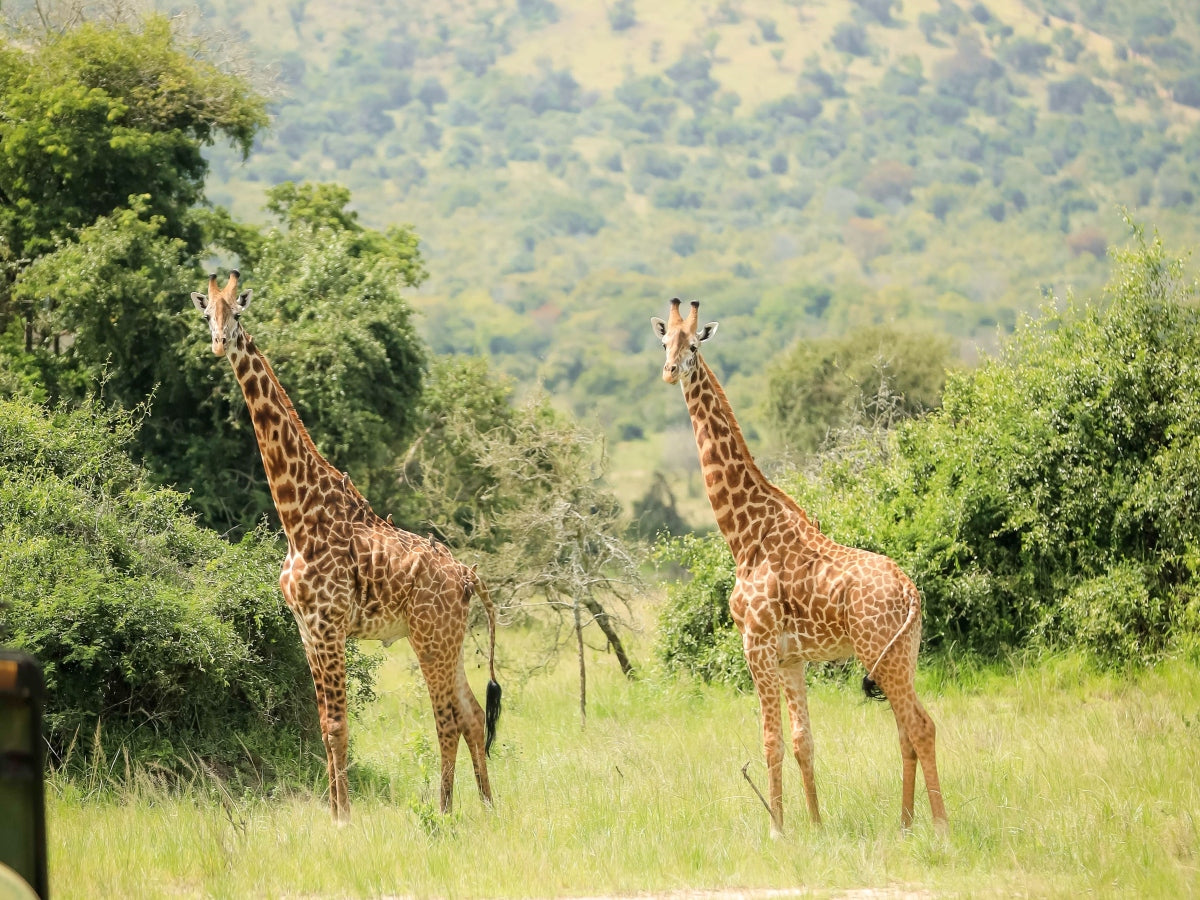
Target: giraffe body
(799,596)
(350,574)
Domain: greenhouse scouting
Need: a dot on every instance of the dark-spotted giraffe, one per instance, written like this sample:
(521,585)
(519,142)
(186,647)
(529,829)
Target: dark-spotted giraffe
(799,596)
(349,573)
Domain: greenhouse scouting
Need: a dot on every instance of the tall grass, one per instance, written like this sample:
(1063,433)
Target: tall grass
(1058,781)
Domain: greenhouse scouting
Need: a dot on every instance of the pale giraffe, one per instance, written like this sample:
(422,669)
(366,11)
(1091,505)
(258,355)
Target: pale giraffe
(798,595)
(349,573)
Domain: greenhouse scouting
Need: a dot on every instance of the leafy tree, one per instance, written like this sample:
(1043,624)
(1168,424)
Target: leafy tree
(1050,500)
(824,384)
(1026,54)
(621,15)
(850,38)
(1071,94)
(97,114)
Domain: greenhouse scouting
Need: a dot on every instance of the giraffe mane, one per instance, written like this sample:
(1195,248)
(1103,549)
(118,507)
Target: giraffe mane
(743,447)
(295,419)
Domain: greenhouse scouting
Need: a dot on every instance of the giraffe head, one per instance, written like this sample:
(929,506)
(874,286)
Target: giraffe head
(222,310)
(681,339)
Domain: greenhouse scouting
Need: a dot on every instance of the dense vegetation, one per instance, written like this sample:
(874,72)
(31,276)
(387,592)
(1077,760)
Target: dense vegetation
(803,168)
(154,633)
(128,461)
(1049,503)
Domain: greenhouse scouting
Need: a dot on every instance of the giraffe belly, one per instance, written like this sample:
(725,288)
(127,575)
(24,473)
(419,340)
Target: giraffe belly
(795,648)
(388,631)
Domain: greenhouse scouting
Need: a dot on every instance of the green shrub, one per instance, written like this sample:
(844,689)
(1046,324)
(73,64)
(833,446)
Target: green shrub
(154,633)
(696,633)
(1113,616)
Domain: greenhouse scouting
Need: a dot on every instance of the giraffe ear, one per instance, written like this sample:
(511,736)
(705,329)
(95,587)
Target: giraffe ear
(707,331)
(243,300)
(660,327)
(200,300)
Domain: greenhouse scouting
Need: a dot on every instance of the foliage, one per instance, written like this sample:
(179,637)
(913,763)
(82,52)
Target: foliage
(97,113)
(824,384)
(696,633)
(155,635)
(1051,500)
(105,310)
(519,488)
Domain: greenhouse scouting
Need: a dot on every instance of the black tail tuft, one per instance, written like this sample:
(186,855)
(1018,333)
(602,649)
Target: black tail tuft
(872,690)
(491,714)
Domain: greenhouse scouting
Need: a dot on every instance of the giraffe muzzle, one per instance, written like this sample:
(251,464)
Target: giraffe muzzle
(670,373)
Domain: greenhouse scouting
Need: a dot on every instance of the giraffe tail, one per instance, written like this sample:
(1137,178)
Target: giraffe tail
(870,688)
(491,714)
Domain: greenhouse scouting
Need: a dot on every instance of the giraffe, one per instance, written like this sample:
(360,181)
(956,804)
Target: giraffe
(349,573)
(798,595)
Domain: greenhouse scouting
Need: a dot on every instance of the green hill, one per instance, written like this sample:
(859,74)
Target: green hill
(801,167)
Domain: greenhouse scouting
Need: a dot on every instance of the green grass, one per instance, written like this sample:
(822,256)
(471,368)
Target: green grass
(1057,780)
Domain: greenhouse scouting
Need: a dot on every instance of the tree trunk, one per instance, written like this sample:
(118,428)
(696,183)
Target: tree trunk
(582,669)
(604,620)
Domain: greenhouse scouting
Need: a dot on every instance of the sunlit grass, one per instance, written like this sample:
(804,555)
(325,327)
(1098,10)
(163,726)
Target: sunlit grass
(1057,781)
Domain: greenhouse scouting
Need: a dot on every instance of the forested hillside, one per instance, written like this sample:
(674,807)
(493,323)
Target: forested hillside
(804,167)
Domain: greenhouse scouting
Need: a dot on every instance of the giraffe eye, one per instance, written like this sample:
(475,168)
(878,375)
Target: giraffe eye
(695,347)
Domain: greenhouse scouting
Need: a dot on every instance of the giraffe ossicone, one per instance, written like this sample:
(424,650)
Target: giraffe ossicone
(350,574)
(799,596)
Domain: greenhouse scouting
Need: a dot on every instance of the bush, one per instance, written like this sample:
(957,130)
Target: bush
(696,633)
(1113,616)
(1071,94)
(850,38)
(153,632)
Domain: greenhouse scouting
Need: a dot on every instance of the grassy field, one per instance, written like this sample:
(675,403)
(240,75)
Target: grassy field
(1058,781)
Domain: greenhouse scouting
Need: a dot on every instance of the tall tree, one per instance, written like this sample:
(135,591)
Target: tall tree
(96,113)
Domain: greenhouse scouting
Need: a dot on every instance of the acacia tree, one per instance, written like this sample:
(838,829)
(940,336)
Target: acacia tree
(520,488)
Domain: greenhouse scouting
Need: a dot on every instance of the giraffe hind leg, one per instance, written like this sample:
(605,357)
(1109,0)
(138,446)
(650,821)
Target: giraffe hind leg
(802,741)
(472,723)
(918,744)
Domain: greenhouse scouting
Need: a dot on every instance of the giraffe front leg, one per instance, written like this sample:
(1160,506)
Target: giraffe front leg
(327,662)
(764,669)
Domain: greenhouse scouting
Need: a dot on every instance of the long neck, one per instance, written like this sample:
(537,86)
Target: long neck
(745,503)
(302,481)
